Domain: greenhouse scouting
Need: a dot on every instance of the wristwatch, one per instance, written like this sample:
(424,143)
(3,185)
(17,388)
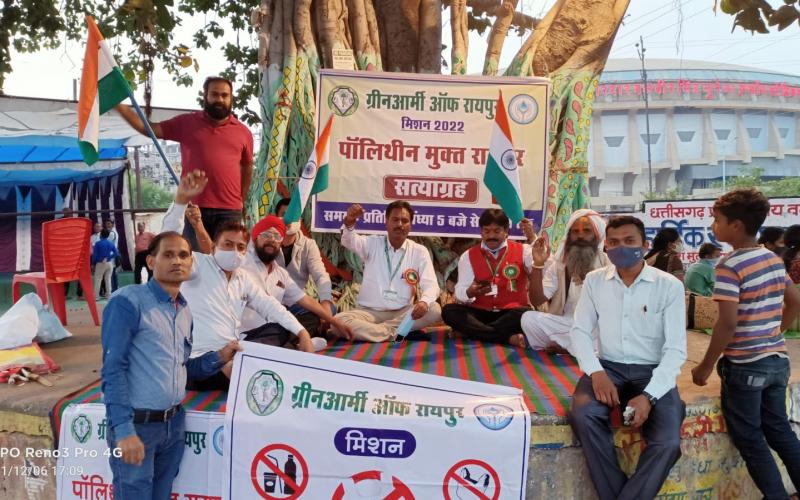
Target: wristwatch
(653,400)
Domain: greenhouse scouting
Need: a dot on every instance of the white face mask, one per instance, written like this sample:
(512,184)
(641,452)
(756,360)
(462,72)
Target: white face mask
(228,260)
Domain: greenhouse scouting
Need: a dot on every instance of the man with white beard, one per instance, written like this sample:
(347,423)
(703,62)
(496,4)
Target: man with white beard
(557,280)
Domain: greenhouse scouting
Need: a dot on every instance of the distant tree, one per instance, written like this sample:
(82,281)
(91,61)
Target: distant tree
(669,194)
(786,187)
(756,15)
(154,196)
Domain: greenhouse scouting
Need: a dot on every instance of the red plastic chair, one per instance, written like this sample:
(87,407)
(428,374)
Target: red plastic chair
(67,257)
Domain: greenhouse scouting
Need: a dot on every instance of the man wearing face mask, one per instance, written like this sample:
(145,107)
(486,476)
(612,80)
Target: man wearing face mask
(215,141)
(639,315)
(492,288)
(218,291)
(557,281)
(700,276)
(261,262)
(398,277)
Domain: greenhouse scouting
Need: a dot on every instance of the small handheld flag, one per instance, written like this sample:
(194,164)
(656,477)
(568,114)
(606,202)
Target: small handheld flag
(502,175)
(313,178)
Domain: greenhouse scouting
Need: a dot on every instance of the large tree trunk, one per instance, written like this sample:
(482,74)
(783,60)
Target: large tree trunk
(297,37)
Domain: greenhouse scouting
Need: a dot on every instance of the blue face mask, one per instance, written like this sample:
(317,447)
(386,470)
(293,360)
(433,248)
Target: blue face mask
(712,262)
(625,257)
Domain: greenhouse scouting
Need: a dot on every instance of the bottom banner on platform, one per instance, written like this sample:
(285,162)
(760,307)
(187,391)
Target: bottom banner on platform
(84,471)
(308,426)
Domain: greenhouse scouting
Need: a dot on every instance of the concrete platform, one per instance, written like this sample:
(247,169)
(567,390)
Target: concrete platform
(709,468)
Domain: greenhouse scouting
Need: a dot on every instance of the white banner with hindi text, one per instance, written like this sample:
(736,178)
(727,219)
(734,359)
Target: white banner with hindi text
(83,471)
(310,426)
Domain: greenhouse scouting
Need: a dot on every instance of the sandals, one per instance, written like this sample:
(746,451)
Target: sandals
(25,374)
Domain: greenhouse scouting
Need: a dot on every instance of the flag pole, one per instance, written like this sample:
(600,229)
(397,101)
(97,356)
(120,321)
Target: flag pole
(152,135)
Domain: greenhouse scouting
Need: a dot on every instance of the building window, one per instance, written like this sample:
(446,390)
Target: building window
(686,135)
(753,132)
(722,133)
(614,141)
(650,139)
(783,132)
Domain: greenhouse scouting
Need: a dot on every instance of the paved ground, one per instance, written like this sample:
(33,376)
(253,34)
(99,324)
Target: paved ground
(80,355)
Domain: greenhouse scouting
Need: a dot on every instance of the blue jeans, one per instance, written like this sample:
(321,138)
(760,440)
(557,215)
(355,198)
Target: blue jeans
(163,450)
(754,406)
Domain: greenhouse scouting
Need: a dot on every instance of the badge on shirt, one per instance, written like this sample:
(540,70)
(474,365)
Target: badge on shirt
(493,292)
(389,294)
(412,278)
(511,272)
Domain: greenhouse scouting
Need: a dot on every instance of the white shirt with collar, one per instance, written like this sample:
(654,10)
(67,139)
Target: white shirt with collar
(377,291)
(217,304)
(642,324)
(275,281)
(307,261)
(466,275)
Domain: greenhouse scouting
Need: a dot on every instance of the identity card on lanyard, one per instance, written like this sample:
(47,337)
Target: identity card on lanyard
(390,293)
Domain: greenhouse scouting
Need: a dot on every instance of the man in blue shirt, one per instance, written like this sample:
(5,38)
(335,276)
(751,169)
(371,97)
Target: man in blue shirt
(147,339)
(104,254)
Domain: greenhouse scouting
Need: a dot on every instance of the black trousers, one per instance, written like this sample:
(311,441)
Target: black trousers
(589,419)
(483,325)
(140,261)
(217,382)
(212,218)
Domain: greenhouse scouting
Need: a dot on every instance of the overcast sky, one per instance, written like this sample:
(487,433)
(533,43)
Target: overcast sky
(685,29)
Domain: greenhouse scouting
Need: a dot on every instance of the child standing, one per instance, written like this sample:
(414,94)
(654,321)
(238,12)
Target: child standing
(756,302)
(103,255)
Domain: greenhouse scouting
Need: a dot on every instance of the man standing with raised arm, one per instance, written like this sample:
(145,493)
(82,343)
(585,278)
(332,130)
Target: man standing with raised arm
(216,142)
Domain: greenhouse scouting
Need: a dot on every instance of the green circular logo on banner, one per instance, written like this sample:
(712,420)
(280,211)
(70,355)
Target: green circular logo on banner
(81,428)
(264,392)
(343,101)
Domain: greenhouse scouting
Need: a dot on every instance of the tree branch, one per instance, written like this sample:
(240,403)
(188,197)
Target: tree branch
(494,8)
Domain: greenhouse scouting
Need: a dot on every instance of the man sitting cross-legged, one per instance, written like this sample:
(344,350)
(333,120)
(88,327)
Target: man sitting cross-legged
(492,284)
(398,277)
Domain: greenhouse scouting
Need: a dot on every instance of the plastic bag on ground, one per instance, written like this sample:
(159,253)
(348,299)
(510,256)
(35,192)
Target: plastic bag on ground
(50,327)
(20,324)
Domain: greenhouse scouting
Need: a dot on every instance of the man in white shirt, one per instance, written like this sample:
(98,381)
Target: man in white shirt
(261,263)
(300,256)
(492,288)
(557,280)
(398,277)
(639,315)
(112,233)
(218,291)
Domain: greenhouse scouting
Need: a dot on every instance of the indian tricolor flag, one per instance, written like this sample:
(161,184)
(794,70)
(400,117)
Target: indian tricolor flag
(314,177)
(502,175)
(102,88)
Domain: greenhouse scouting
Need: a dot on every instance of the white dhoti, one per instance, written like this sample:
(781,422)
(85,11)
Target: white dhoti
(542,328)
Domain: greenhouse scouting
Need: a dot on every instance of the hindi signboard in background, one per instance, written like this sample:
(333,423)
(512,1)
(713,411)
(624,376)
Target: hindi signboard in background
(84,472)
(693,218)
(310,426)
(425,139)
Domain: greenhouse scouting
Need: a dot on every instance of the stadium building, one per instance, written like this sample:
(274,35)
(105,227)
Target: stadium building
(708,121)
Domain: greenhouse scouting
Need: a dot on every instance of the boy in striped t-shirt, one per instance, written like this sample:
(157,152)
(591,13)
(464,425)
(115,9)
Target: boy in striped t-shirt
(756,302)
